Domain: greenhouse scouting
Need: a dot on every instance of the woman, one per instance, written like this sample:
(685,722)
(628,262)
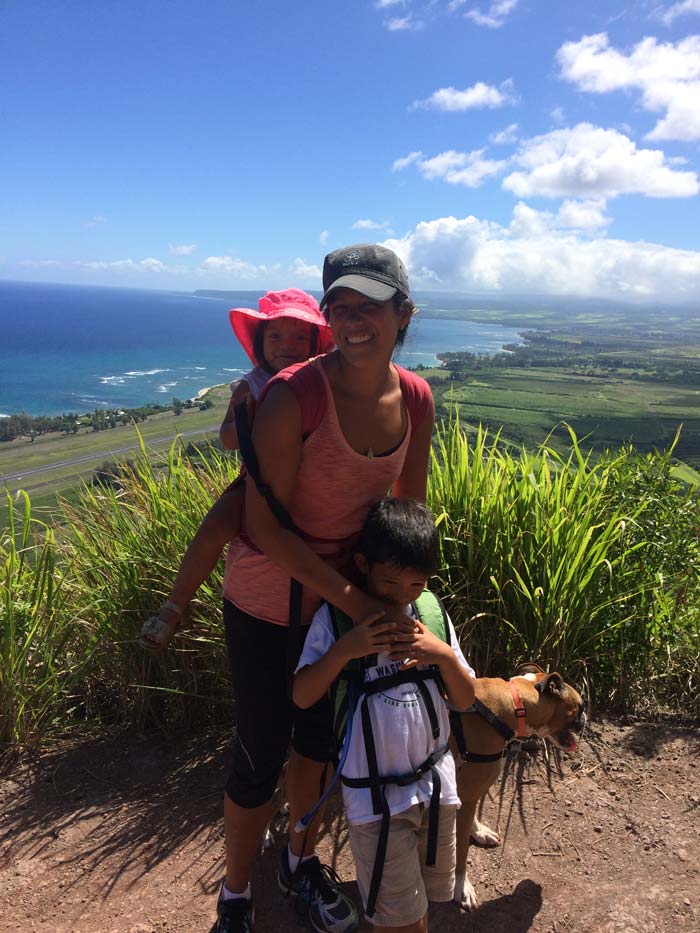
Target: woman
(331,437)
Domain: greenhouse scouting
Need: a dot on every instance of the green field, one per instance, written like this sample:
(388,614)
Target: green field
(53,464)
(529,404)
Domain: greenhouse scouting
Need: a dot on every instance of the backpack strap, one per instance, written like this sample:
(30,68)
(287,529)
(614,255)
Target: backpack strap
(308,385)
(306,382)
(416,395)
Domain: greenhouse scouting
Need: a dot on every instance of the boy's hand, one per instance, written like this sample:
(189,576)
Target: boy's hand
(419,647)
(368,636)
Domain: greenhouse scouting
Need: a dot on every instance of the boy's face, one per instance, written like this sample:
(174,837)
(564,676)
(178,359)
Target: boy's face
(397,585)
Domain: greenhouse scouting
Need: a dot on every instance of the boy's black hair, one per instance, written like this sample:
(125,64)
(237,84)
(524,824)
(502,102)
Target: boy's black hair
(259,341)
(400,532)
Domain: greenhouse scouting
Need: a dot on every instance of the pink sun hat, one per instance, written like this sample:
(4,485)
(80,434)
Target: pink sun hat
(292,302)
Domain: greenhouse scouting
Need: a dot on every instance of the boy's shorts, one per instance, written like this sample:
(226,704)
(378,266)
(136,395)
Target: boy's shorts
(407,882)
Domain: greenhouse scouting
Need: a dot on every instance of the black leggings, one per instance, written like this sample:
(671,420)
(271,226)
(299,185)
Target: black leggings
(266,719)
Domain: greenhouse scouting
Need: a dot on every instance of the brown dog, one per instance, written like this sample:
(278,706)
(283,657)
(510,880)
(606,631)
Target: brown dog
(548,707)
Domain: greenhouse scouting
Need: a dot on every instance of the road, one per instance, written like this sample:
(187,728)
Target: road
(101,455)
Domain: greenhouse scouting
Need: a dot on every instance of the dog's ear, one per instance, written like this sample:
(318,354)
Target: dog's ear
(552,683)
(529,667)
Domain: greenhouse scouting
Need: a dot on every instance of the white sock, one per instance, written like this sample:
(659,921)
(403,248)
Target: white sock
(295,860)
(227,895)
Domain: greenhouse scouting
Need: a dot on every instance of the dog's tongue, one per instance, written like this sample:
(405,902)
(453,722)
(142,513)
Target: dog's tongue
(572,746)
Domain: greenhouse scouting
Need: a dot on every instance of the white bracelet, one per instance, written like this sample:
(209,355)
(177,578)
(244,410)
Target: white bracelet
(173,607)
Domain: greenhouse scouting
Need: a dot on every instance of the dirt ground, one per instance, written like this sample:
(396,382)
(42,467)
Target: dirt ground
(125,836)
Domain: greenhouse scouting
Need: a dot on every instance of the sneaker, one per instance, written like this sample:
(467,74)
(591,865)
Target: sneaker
(234,916)
(318,895)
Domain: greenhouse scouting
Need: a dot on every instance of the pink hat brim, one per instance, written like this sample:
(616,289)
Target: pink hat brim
(292,303)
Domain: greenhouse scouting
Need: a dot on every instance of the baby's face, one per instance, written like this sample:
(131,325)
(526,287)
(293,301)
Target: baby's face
(286,341)
(397,585)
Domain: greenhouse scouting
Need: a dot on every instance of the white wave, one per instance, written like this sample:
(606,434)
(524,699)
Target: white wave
(3,416)
(146,372)
(202,369)
(112,380)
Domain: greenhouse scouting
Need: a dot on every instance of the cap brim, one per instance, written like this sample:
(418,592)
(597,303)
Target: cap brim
(370,288)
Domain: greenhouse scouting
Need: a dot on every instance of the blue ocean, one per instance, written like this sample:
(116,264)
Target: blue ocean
(70,348)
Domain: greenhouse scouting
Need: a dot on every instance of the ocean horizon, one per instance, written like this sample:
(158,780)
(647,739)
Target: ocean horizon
(75,348)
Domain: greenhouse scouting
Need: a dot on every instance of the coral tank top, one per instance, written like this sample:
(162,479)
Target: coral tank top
(335,488)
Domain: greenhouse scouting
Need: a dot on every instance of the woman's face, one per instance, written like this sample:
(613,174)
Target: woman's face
(286,341)
(362,327)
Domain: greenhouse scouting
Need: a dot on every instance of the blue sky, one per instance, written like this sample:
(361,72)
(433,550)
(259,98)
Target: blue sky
(500,146)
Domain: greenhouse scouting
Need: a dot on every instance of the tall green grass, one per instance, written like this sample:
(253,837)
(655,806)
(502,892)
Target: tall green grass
(40,661)
(552,557)
(125,541)
(592,566)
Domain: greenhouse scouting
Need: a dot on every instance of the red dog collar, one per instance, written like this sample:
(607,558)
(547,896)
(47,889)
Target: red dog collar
(519,710)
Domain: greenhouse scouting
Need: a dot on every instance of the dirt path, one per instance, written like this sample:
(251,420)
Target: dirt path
(125,836)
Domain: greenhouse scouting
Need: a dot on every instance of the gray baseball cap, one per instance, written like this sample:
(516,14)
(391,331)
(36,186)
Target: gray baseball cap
(371,270)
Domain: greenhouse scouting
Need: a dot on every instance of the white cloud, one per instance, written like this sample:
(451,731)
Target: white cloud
(152,265)
(505,136)
(93,222)
(668,15)
(323,237)
(407,23)
(591,162)
(182,249)
(558,116)
(583,215)
(39,263)
(122,265)
(457,168)
(230,266)
(300,269)
(495,15)
(383,4)
(532,257)
(476,97)
(404,162)
(667,74)
(369,224)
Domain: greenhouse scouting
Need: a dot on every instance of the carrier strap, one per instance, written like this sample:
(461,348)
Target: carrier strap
(378,785)
(409,676)
(461,743)
(250,460)
(493,720)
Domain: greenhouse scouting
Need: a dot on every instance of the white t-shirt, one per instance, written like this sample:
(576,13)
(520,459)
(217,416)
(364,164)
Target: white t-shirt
(402,733)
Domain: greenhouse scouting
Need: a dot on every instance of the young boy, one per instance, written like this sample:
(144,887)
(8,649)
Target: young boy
(398,779)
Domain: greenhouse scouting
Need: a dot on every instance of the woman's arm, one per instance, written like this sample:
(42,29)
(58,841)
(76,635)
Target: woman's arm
(413,481)
(228,435)
(277,440)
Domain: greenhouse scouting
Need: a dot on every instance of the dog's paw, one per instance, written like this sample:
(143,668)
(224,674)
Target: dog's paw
(464,894)
(482,835)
